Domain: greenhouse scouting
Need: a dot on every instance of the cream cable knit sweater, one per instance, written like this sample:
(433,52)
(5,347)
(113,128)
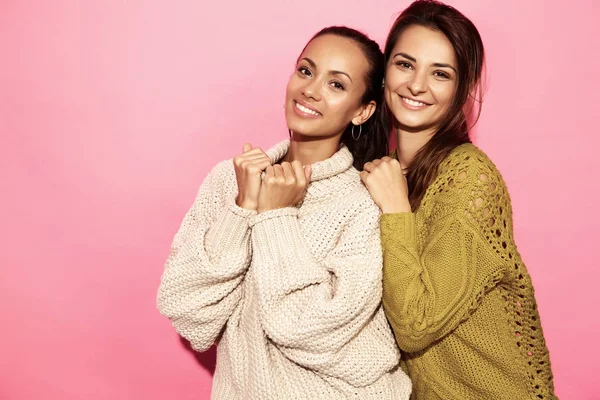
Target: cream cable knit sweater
(295,292)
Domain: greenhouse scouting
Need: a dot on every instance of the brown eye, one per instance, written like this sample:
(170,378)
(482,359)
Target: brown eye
(440,74)
(337,85)
(304,71)
(403,64)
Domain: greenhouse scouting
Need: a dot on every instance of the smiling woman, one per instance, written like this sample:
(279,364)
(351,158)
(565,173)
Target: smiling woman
(318,95)
(279,258)
(456,292)
(426,83)
(328,98)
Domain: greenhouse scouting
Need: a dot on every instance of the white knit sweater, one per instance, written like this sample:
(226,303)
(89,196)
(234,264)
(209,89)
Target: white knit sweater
(295,292)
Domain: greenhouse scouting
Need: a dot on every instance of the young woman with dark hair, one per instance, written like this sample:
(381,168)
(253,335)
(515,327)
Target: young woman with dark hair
(456,292)
(279,259)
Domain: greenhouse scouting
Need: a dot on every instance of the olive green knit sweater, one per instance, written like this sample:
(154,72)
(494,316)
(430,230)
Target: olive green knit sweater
(458,296)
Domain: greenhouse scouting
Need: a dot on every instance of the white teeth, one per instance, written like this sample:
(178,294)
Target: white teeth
(306,110)
(413,102)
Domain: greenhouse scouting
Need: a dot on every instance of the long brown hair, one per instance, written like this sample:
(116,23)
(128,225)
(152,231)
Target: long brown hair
(454,127)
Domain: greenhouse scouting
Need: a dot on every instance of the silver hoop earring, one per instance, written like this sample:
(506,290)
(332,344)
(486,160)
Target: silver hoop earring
(359,131)
(383,83)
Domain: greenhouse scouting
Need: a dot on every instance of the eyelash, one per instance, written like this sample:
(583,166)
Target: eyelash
(302,69)
(403,64)
(341,87)
(438,74)
(306,72)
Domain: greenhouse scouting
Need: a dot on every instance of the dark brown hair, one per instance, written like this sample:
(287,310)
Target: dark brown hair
(453,130)
(374,141)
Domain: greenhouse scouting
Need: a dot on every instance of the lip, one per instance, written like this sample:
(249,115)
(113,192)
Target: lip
(413,107)
(307,105)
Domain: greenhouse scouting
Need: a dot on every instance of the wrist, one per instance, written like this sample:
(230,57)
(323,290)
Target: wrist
(396,207)
(246,204)
(263,208)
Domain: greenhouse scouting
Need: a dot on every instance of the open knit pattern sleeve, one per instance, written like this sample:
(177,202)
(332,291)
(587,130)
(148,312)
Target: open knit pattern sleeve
(201,282)
(314,310)
(428,292)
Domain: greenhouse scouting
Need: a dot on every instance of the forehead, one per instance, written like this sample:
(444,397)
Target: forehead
(426,45)
(332,52)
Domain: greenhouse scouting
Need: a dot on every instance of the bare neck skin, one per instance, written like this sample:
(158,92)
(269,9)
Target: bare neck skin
(409,142)
(310,150)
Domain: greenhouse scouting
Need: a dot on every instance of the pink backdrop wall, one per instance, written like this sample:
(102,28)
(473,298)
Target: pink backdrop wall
(112,112)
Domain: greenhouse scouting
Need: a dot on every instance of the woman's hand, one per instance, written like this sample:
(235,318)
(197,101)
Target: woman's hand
(284,185)
(248,170)
(386,182)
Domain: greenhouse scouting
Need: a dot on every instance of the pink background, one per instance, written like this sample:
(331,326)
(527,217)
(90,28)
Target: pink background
(112,112)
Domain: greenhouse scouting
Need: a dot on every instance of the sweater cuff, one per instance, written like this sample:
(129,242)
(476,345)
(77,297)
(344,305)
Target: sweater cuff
(281,254)
(230,230)
(399,227)
(277,213)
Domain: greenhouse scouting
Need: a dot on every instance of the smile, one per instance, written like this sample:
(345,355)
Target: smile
(306,110)
(413,103)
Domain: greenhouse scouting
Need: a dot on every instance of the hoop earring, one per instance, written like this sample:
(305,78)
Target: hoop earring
(359,131)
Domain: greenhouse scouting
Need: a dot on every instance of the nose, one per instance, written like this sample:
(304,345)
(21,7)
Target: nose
(418,83)
(312,89)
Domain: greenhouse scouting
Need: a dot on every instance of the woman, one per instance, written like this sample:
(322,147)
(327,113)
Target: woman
(279,258)
(457,295)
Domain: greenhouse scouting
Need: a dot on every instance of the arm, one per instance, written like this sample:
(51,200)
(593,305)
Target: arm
(201,283)
(428,294)
(315,311)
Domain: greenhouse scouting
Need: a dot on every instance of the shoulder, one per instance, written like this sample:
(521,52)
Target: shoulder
(357,197)
(471,185)
(467,155)
(223,169)
(468,165)
(220,181)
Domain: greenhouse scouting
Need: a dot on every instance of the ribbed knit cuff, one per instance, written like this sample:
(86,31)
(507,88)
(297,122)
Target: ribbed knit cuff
(277,213)
(399,227)
(230,230)
(281,255)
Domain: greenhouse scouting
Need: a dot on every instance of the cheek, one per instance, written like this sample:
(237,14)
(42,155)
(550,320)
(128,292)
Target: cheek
(292,86)
(288,90)
(395,78)
(340,108)
(444,95)
(388,93)
(335,103)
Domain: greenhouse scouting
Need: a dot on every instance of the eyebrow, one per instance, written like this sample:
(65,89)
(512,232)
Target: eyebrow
(333,72)
(438,65)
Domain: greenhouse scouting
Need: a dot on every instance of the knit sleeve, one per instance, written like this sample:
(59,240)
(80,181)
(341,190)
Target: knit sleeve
(201,282)
(428,293)
(315,311)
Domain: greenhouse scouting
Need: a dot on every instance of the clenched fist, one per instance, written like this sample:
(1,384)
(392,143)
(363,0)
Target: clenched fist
(284,185)
(248,170)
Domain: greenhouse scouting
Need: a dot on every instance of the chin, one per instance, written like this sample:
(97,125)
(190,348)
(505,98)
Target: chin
(412,126)
(301,129)
(412,120)
(411,123)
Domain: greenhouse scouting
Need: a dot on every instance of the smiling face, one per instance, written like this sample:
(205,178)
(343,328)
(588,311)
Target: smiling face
(420,79)
(324,94)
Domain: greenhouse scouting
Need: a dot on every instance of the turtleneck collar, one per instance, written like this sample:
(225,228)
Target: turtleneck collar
(334,165)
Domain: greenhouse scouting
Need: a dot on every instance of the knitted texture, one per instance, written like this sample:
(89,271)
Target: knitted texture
(293,295)
(458,297)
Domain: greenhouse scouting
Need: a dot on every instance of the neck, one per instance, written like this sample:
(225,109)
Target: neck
(409,142)
(309,150)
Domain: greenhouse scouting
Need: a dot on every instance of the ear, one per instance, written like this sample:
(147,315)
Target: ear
(364,113)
